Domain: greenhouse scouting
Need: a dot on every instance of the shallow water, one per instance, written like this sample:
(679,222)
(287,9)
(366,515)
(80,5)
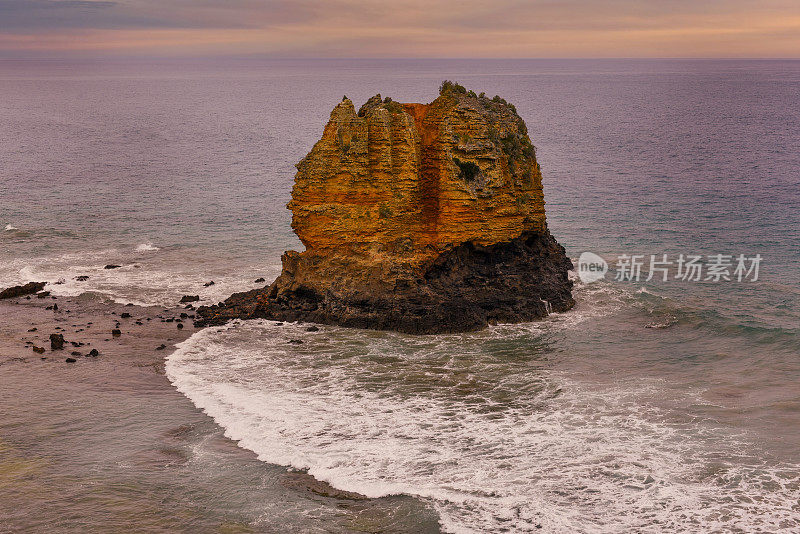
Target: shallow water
(650,407)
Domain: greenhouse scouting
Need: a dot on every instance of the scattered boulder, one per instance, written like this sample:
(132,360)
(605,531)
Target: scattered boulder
(296,341)
(112,266)
(259,280)
(189,298)
(76,353)
(161,347)
(116,332)
(32,329)
(56,341)
(93,353)
(211,283)
(180,326)
(70,360)
(82,278)
(125,315)
(21,291)
(38,350)
(43,294)
(312,329)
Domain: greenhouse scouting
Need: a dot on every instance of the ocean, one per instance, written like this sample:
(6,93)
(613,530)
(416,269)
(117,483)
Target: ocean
(652,406)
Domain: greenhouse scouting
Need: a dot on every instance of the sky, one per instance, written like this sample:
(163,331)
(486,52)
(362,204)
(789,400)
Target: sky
(400,28)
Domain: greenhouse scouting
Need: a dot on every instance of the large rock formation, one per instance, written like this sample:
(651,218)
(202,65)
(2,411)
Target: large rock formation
(421,218)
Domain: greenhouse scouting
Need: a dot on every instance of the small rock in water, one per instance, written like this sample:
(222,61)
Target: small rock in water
(112,266)
(180,326)
(184,315)
(76,353)
(190,298)
(38,350)
(55,307)
(93,353)
(170,320)
(32,329)
(56,341)
(211,283)
(259,280)
(116,332)
(129,305)
(312,329)
(125,315)
(161,347)
(278,324)
(43,294)
(82,278)
(296,341)
(140,323)
(70,360)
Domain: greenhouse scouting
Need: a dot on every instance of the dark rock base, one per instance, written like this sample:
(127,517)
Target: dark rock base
(464,289)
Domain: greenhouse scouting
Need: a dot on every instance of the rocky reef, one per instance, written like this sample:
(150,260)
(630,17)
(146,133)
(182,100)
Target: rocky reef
(421,218)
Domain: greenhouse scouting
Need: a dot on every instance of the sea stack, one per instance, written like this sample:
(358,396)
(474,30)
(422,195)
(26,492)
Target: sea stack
(420,218)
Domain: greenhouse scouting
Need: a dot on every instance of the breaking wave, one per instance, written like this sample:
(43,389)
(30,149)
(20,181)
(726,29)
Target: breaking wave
(484,429)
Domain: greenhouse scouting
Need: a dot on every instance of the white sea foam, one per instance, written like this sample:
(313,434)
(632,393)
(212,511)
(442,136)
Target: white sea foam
(143,279)
(146,247)
(10,227)
(485,432)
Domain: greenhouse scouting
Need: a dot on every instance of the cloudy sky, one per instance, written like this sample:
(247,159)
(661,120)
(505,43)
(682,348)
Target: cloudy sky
(401,28)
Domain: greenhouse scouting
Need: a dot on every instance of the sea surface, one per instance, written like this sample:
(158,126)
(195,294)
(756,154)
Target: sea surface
(653,406)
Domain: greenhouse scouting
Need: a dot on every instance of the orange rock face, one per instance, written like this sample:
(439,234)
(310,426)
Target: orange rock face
(412,180)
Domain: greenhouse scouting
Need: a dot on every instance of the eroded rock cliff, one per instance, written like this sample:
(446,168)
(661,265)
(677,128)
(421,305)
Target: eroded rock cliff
(421,218)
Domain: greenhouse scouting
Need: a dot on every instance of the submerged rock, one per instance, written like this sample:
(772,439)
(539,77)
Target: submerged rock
(189,298)
(21,291)
(422,218)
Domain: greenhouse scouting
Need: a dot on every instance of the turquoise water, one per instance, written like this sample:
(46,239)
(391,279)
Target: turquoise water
(652,406)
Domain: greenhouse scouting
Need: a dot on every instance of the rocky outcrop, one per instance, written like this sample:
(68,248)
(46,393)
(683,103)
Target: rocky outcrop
(421,218)
(21,291)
